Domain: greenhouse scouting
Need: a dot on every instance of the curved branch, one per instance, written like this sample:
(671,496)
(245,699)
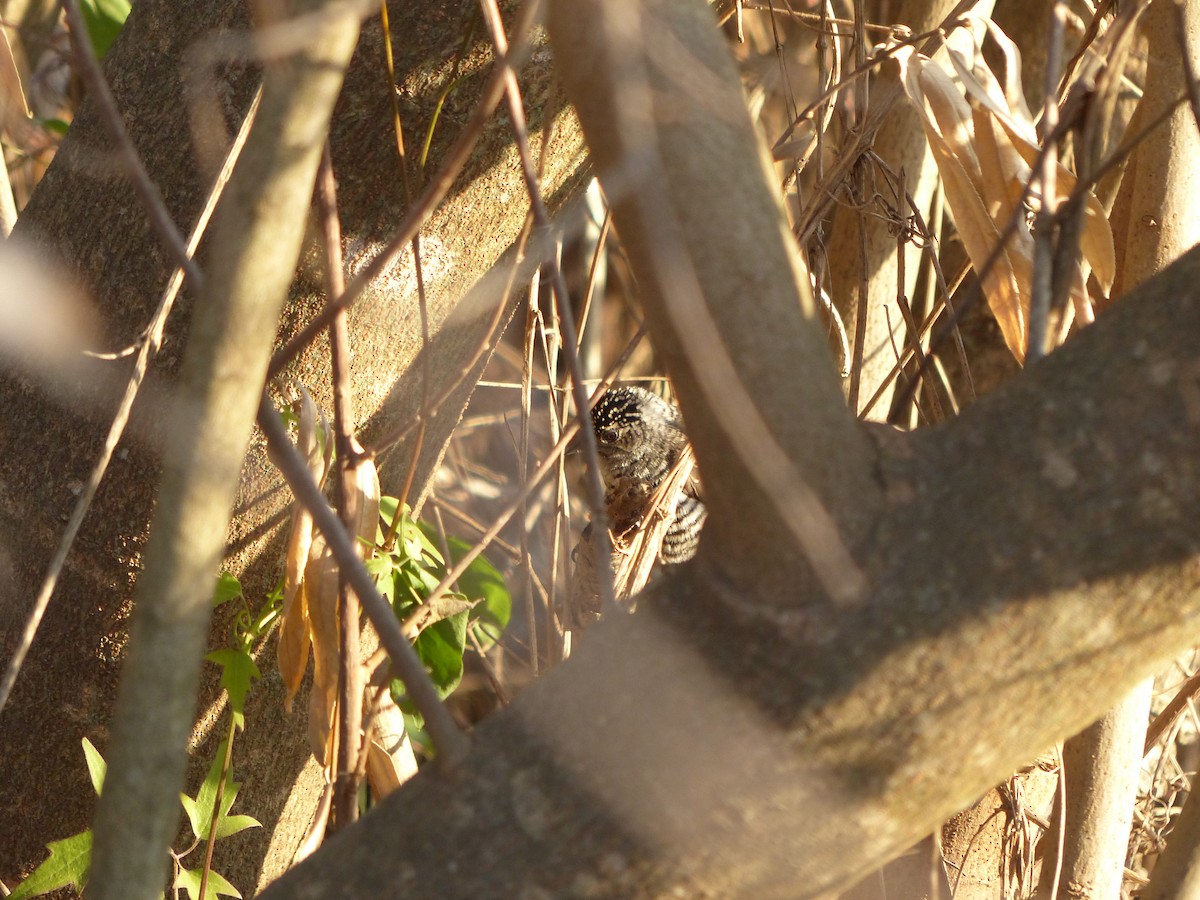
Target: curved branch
(725,291)
(1036,558)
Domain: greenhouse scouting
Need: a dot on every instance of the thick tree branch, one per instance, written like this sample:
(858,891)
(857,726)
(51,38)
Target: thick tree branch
(1034,560)
(258,230)
(726,294)
(1028,563)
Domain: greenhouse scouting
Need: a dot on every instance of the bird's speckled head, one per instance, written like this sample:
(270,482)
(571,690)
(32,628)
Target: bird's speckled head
(638,434)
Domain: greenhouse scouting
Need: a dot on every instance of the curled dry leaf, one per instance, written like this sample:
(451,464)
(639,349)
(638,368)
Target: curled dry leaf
(431,612)
(320,591)
(293,629)
(949,129)
(983,141)
(1007,106)
(390,758)
(362,502)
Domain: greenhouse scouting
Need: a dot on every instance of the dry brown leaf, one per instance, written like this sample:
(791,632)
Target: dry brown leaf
(983,88)
(1013,91)
(292,653)
(390,759)
(434,611)
(1096,240)
(320,589)
(984,143)
(362,504)
(974,200)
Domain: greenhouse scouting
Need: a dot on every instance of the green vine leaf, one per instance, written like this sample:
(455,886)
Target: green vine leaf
(199,809)
(228,588)
(218,886)
(238,672)
(104,19)
(97,767)
(67,866)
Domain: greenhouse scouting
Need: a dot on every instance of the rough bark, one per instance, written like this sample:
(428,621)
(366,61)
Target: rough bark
(86,215)
(1027,564)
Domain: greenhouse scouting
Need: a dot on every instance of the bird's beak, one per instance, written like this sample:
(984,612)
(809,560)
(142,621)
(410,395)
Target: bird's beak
(575,445)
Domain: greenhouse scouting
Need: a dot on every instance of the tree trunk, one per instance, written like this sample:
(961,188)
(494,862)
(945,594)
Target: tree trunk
(84,214)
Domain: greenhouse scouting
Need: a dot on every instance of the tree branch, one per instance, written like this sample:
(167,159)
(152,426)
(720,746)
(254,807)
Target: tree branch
(1059,590)
(1029,562)
(726,294)
(258,234)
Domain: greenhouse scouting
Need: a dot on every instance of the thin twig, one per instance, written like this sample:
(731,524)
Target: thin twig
(143,185)
(595,487)
(418,270)
(804,18)
(211,841)
(149,345)
(1171,711)
(456,157)
(1046,177)
(345,792)
(862,308)
(1062,821)
(532,319)
(441,506)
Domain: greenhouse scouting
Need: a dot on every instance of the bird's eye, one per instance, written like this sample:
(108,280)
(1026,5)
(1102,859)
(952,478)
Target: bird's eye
(607,435)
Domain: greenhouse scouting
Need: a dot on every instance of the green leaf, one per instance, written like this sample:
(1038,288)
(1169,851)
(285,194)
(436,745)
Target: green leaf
(97,767)
(387,508)
(57,126)
(381,566)
(189,880)
(192,810)
(200,809)
(440,647)
(228,588)
(420,537)
(483,581)
(238,671)
(233,824)
(103,19)
(67,865)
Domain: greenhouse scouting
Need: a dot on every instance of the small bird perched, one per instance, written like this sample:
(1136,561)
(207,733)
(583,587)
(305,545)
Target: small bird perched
(640,437)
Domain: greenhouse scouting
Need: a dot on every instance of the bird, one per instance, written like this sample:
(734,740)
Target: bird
(639,439)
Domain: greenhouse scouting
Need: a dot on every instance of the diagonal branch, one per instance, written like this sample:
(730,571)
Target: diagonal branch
(258,231)
(661,106)
(1071,571)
